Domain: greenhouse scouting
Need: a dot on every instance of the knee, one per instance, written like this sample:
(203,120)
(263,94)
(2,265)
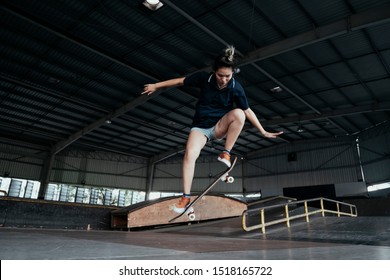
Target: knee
(239,115)
(191,155)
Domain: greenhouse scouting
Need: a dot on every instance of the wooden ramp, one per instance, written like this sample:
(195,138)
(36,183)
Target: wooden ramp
(159,212)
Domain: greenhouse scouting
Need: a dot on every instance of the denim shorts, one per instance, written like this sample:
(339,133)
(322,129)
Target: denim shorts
(208,132)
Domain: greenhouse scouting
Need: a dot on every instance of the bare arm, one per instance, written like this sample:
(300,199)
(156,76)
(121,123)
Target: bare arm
(150,88)
(252,118)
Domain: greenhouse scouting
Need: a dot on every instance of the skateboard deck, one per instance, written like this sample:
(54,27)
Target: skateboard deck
(223,176)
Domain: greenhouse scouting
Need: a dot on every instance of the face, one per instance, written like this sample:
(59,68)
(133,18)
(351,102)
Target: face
(223,76)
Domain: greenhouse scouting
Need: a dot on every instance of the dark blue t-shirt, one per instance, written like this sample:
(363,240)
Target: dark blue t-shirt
(214,103)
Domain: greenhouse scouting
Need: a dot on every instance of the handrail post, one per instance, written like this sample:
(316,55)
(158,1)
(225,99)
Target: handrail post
(262,219)
(338,209)
(243,222)
(287,216)
(306,211)
(322,207)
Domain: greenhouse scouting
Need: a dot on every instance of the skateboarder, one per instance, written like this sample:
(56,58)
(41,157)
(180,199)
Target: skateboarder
(216,117)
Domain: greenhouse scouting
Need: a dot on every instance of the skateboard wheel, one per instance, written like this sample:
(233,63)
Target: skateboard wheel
(191,216)
(230,179)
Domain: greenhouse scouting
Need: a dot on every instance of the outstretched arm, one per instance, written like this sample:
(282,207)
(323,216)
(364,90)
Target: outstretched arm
(251,116)
(150,88)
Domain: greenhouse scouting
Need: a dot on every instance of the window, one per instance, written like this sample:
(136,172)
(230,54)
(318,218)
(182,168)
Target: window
(19,187)
(378,187)
(74,193)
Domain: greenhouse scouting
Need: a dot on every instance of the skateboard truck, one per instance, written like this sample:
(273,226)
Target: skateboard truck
(191,213)
(227,179)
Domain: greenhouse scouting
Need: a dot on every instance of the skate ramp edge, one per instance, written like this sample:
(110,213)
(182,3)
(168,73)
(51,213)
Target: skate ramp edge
(159,212)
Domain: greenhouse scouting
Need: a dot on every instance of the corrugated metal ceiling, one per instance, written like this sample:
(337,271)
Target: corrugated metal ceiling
(66,67)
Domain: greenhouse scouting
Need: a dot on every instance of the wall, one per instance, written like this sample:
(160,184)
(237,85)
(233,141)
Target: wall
(308,163)
(21,162)
(75,167)
(351,189)
(372,206)
(46,214)
(375,154)
(100,169)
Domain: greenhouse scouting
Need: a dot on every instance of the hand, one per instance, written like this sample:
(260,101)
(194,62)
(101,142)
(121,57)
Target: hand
(149,89)
(272,134)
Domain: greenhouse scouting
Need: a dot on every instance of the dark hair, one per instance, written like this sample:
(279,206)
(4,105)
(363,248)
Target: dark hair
(226,59)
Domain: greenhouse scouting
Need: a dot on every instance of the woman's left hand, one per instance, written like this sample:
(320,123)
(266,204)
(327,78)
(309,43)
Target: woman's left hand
(272,134)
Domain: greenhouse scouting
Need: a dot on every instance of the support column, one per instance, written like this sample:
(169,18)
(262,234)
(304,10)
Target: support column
(149,180)
(243,180)
(45,175)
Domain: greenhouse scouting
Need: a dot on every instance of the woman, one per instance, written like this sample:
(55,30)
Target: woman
(216,117)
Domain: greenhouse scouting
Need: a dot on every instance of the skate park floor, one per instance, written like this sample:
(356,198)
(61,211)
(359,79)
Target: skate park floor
(323,238)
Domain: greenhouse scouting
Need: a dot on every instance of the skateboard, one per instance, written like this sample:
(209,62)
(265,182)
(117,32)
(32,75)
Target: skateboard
(223,176)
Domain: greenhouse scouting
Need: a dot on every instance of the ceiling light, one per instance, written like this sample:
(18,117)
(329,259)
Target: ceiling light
(153,4)
(171,123)
(276,89)
(300,129)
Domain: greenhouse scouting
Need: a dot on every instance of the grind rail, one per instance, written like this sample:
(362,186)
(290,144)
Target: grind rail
(340,206)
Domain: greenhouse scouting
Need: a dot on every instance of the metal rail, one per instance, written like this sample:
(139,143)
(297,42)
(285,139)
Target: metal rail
(307,212)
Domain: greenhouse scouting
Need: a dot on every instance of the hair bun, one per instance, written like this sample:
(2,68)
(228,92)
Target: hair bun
(225,59)
(229,53)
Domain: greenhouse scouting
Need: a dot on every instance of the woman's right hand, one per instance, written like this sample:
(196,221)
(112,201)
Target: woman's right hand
(149,89)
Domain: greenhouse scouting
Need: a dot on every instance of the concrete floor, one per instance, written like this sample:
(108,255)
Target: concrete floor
(328,238)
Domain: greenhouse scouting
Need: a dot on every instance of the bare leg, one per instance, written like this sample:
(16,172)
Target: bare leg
(230,125)
(195,143)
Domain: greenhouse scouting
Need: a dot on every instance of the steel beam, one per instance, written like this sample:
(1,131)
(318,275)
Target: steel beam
(375,107)
(376,16)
